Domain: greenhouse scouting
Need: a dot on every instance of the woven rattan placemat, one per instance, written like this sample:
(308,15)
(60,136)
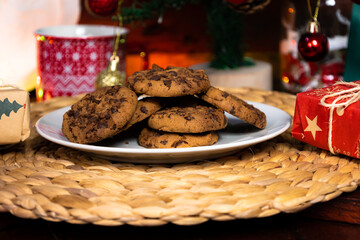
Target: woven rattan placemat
(39,179)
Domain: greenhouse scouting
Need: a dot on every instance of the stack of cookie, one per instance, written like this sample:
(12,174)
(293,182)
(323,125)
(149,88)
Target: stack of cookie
(181,108)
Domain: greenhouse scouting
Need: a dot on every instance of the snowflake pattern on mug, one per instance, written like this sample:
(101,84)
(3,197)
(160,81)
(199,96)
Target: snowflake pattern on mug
(69,66)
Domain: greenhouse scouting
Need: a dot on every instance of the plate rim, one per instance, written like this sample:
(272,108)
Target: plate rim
(119,150)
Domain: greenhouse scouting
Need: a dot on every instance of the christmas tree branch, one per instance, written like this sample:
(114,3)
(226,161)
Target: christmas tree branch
(226,27)
(146,10)
(224,24)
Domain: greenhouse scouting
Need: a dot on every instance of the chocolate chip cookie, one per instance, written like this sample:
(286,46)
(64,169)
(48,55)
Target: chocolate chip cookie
(151,138)
(144,108)
(188,118)
(169,82)
(99,115)
(235,106)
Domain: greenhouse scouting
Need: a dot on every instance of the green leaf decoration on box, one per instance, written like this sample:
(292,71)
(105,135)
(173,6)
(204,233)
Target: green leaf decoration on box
(6,107)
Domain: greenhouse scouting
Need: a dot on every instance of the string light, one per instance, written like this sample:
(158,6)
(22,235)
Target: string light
(39,90)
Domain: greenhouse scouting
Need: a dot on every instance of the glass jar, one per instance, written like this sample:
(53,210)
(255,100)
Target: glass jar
(298,75)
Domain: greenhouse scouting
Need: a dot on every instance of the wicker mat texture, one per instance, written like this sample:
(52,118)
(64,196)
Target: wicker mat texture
(39,179)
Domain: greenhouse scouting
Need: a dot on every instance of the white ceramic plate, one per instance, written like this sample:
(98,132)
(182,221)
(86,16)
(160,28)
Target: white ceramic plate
(124,147)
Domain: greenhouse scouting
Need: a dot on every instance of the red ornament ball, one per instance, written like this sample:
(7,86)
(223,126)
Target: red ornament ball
(101,7)
(313,46)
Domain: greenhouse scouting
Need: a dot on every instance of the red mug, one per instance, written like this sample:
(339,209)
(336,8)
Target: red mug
(69,57)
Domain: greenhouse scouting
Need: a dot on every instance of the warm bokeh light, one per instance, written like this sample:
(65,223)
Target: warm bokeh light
(291,10)
(39,90)
(142,54)
(285,79)
(40,93)
(40,38)
(47,96)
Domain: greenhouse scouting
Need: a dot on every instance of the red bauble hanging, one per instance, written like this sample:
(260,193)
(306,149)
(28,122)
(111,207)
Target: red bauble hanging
(313,46)
(247,6)
(101,7)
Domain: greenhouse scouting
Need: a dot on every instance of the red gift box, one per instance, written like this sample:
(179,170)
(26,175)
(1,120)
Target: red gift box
(329,118)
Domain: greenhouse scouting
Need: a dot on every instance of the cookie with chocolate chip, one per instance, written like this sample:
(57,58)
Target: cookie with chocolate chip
(151,138)
(169,82)
(235,106)
(99,115)
(188,117)
(145,108)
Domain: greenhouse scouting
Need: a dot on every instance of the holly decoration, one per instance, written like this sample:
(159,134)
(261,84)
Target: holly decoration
(6,107)
(101,7)
(247,6)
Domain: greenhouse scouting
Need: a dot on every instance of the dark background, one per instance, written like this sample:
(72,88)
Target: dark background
(182,38)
